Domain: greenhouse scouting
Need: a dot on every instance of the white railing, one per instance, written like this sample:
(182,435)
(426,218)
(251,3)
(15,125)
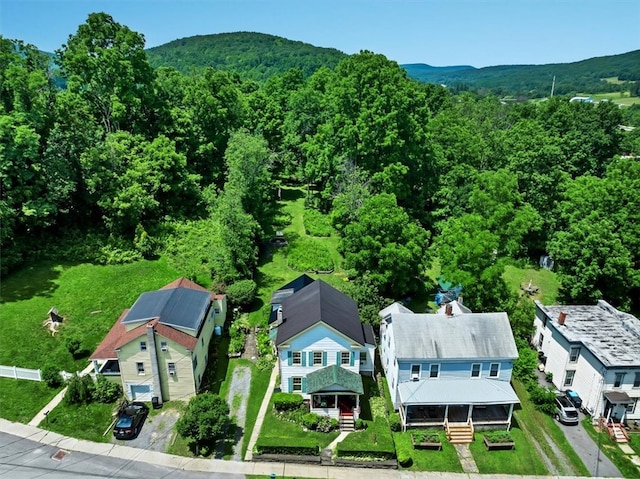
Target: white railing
(20,373)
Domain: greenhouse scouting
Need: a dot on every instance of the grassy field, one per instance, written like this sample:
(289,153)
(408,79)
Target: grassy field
(545,280)
(445,460)
(620,98)
(88,421)
(21,400)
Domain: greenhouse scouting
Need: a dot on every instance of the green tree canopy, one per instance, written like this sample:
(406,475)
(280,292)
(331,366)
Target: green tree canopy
(205,419)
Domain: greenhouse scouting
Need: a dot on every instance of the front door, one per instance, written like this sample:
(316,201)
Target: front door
(346,405)
(458,413)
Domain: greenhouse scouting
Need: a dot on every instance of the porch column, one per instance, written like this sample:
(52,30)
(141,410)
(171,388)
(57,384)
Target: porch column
(510,414)
(404,419)
(96,369)
(469,412)
(446,412)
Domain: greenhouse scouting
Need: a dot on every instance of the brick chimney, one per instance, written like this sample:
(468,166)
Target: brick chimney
(448,310)
(562,318)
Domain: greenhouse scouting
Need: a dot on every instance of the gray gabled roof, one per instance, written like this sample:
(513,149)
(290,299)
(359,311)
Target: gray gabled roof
(178,307)
(464,336)
(394,308)
(457,391)
(320,302)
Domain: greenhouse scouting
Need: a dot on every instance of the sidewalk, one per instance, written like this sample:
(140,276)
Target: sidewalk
(38,418)
(231,467)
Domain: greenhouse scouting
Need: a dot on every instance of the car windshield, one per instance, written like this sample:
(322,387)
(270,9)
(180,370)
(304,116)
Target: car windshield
(572,413)
(124,421)
(564,402)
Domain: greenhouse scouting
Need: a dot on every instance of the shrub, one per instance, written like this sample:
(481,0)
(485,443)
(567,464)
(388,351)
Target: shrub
(236,344)
(316,223)
(403,453)
(309,255)
(360,424)
(242,293)
(326,424)
(543,398)
(287,401)
(106,391)
(51,376)
(74,346)
(278,445)
(264,344)
(79,390)
(549,377)
(310,421)
(265,363)
(378,407)
(394,422)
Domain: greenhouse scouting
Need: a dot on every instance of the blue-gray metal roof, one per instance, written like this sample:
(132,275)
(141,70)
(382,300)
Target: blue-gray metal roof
(457,391)
(464,336)
(179,307)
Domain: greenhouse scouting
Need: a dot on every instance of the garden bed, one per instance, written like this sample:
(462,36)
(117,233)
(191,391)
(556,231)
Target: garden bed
(492,445)
(426,441)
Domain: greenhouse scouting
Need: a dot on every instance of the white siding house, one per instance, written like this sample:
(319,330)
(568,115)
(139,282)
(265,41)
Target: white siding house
(444,368)
(594,351)
(323,348)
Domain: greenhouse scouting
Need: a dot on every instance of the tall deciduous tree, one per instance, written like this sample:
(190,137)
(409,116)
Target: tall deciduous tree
(386,245)
(204,420)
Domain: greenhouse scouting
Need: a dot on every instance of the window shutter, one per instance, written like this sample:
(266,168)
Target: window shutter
(310,358)
(304,384)
(324,358)
(338,361)
(289,358)
(290,385)
(353,358)
(303,355)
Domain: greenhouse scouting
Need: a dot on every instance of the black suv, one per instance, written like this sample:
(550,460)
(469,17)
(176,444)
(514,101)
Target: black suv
(130,420)
(566,413)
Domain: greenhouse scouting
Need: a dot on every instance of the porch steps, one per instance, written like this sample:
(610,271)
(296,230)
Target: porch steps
(618,433)
(460,432)
(347,423)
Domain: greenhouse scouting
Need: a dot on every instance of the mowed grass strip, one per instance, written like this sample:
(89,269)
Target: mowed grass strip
(86,421)
(445,460)
(522,460)
(21,400)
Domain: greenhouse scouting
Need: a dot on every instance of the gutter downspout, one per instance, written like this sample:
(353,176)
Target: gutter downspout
(155,368)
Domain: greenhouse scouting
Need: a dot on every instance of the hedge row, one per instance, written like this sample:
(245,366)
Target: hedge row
(278,445)
(287,401)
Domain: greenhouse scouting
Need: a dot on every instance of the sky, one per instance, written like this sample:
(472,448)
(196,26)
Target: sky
(437,32)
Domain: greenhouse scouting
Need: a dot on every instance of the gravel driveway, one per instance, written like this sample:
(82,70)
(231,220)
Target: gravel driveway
(156,432)
(237,400)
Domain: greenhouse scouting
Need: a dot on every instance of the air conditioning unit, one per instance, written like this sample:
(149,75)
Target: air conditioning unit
(172,373)
(415,377)
(164,349)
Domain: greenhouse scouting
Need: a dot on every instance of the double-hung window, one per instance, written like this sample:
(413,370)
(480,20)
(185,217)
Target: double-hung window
(568,377)
(296,384)
(415,371)
(619,379)
(317,358)
(140,368)
(574,354)
(345,358)
(171,367)
(636,381)
(434,371)
(296,358)
(143,346)
(475,370)
(494,370)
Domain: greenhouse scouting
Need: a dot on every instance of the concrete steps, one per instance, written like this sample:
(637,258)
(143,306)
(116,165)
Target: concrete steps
(347,423)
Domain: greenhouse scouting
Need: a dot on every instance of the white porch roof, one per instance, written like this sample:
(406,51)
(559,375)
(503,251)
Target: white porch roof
(482,391)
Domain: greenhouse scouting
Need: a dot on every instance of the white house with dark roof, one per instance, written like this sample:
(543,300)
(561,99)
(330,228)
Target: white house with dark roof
(323,349)
(160,346)
(593,350)
(448,368)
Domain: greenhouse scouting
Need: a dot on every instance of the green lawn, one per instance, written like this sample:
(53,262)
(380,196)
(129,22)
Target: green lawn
(21,400)
(621,460)
(82,422)
(545,280)
(445,460)
(620,98)
(522,460)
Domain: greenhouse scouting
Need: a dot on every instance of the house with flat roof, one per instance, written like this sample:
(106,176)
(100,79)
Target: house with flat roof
(449,367)
(159,348)
(593,350)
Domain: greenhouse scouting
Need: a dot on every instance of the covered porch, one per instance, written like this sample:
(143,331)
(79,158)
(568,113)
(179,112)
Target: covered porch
(335,392)
(482,402)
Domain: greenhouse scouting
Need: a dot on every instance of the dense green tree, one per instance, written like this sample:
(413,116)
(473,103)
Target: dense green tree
(386,245)
(205,419)
(105,63)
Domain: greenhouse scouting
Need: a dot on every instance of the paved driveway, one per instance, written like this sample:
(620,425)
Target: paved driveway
(156,432)
(598,464)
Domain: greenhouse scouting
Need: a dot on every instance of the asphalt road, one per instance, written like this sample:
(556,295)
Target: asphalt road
(598,464)
(24,459)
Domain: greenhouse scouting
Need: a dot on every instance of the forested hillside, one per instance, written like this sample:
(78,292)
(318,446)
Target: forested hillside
(534,81)
(131,161)
(254,56)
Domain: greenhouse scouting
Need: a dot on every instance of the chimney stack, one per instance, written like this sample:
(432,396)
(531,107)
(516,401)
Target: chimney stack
(448,310)
(562,317)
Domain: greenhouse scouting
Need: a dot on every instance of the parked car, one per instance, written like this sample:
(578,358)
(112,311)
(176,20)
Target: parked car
(130,420)
(574,398)
(566,412)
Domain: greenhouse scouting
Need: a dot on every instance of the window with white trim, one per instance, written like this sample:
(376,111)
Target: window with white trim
(619,379)
(415,371)
(568,377)
(143,345)
(475,370)
(296,384)
(434,371)
(345,357)
(363,358)
(163,346)
(317,358)
(296,358)
(574,354)
(171,367)
(140,368)
(631,407)
(494,370)
(636,381)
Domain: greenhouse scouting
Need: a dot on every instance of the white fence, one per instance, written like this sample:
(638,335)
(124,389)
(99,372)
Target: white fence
(20,373)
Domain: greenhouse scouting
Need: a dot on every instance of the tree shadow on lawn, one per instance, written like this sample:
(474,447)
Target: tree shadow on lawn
(291,194)
(216,371)
(36,279)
